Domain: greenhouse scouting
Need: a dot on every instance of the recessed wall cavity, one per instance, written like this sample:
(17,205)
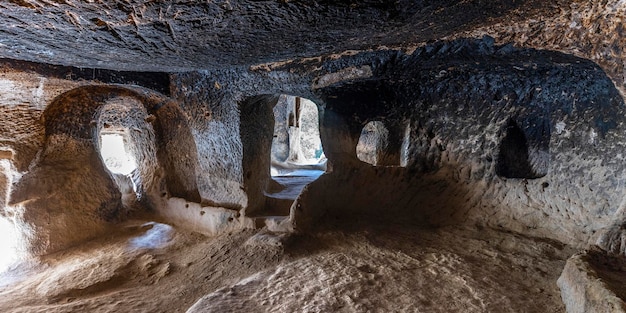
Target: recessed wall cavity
(127,147)
(372,142)
(520,156)
(380,147)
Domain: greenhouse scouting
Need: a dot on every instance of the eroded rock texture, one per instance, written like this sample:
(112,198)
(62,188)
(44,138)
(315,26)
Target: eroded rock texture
(504,115)
(490,127)
(593,281)
(187,35)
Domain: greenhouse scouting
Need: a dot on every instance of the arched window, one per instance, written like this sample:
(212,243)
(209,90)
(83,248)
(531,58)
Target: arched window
(125,139)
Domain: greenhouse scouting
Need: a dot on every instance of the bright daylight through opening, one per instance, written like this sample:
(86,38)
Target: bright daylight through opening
(297,146)
(114,154)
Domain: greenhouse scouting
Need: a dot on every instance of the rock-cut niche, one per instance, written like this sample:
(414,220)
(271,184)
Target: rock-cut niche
(380,146)
(522,155)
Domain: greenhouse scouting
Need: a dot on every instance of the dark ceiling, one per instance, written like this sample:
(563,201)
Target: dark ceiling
(187,35)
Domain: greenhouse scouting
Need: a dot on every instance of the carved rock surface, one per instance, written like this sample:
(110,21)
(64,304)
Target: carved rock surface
(188,35)
(442,115)
(593,281)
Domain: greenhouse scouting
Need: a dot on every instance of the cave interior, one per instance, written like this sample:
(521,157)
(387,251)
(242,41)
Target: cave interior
(313,156)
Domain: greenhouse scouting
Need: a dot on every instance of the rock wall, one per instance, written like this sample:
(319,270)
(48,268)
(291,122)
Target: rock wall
(494,135)
(61,193)
(189,35)
(24,97)
(592,282)
(477,133)
(419,124)
(257,130)
(214,123)
(280,141)
(589,29)
(460,98)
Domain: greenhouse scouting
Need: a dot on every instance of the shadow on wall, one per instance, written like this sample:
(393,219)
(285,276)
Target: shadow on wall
(474,126)
(68,195)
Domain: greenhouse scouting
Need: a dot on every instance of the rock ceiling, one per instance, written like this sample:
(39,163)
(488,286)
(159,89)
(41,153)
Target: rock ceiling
(171,36)
(465,111)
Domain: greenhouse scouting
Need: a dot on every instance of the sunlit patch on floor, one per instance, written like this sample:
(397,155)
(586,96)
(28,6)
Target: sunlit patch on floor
(8,244)
(157,236)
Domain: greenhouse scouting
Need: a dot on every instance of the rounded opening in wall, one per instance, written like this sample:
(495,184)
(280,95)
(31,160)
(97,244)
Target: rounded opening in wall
(372,142)
(126,147)
(384,143)
(523,156)
(115,154)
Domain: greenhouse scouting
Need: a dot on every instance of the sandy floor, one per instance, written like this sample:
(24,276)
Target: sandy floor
(367,268)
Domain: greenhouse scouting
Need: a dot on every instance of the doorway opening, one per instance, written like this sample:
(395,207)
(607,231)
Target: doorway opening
(297,156)
(296,146)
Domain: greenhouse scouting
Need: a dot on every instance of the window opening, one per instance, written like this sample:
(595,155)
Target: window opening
(8,245)
(115,154)
(9,240)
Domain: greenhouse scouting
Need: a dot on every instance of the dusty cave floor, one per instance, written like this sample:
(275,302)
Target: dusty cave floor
(362,268)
